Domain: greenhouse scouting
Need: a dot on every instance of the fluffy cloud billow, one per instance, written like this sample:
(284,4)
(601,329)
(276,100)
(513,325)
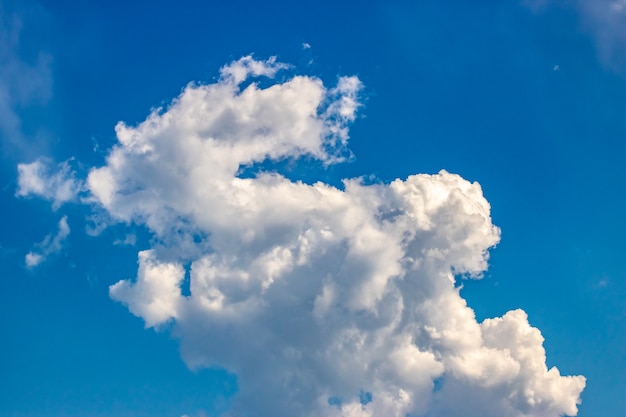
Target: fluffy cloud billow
(324,301)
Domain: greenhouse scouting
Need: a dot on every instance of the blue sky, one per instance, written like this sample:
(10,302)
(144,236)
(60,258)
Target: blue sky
(525,98)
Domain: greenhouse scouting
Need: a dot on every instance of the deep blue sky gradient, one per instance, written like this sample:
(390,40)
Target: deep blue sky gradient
(469,87)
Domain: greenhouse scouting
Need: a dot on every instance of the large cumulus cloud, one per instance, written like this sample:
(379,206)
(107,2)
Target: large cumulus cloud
(324,301)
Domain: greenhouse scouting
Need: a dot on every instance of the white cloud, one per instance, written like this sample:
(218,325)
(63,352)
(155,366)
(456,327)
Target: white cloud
(129,240)
(156,293)
(33,259)
(238,71)
(316,297)
(57,184)
(50,245)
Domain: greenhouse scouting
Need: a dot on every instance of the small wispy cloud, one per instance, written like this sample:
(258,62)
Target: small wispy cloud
(129,240)
(22,82)
(602,283)
(52,244)
(605,20)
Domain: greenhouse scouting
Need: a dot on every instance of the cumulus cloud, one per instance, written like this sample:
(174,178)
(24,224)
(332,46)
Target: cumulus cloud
(53,243)
(325,301)
(54,183)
